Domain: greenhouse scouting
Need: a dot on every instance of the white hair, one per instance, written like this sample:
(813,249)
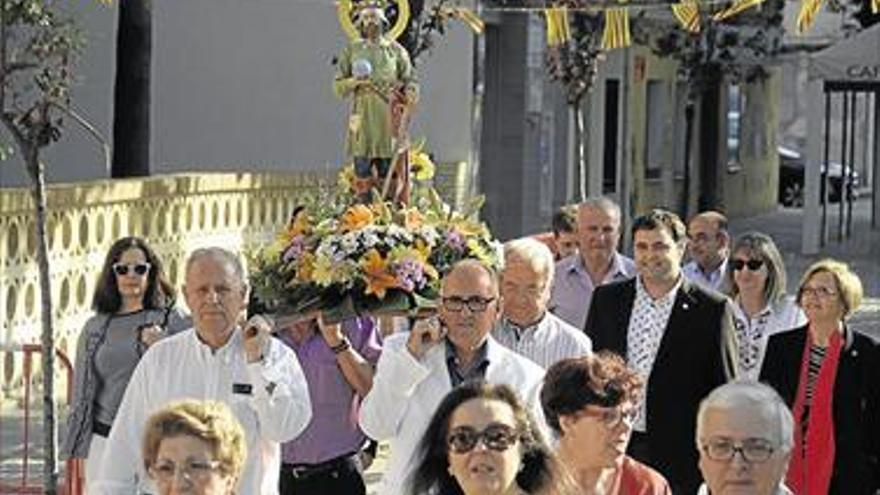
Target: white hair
(755,397)
(602,203)
(533,252)
(219,254)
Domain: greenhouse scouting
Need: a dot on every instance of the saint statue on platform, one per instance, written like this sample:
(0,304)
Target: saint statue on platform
(375,73)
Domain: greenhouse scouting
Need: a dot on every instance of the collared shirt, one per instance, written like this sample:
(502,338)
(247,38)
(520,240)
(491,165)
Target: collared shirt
(270,398)
(545,342)
(781,490)
(476,370)
(573,287)
(753,333)
(713,280)
(334,429)
(647,323)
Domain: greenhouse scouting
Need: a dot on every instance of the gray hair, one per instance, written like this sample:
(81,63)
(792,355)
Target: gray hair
(760,246)
(602,203)
(473,264)
(749,395)
(219,254)
(534,252)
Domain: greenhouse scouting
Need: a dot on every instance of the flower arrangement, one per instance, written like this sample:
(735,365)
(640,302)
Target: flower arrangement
(346,259)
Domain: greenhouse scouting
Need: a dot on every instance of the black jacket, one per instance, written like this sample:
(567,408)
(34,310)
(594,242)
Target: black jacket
(856,403)
(697,353)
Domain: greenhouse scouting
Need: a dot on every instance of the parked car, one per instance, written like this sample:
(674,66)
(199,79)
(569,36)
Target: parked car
(791,179)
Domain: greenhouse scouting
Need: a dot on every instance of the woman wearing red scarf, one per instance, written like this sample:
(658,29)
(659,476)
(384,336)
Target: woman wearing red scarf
(828,375)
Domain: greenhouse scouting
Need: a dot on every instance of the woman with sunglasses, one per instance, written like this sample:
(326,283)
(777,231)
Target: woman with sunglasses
(827,374)
(134,306)
(755,282)
(194,447)
(590,402)
(482,441)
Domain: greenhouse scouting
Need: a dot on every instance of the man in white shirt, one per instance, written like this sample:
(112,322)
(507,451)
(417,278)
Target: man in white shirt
(745,434)
(598,263)
(709,247)
(258,377)
(527,328)
(416,370)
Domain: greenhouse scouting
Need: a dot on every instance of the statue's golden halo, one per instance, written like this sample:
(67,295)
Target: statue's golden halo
(344,9)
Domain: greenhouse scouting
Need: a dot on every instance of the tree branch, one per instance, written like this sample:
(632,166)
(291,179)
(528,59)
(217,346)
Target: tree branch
(79,119)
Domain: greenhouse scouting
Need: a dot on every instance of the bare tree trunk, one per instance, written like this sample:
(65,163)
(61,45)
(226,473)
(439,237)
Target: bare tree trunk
(580,139)
(50,468)
(688,138)
(131,99)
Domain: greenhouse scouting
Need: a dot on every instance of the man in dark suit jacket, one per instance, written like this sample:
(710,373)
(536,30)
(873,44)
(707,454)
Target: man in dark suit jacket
(676,335)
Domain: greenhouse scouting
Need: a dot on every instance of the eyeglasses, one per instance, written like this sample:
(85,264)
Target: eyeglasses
(611,417)
(820,292)
(475,304)
(139,269)
(193,470)
(753,264)
(753,450)
(496,436)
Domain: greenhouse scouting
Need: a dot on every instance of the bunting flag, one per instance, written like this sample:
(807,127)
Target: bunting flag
(616,33)
(688,15)
(468,17)
(737,7)
(807,15)
(558,30)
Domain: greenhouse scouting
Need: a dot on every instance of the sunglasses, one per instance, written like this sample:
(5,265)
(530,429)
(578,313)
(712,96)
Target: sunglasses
(139,269)
(496,436)
(753,265)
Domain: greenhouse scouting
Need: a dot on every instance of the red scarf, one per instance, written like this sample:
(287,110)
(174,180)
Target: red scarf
(812,460)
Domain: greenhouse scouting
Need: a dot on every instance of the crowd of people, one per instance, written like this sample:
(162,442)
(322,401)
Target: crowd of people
(575,369)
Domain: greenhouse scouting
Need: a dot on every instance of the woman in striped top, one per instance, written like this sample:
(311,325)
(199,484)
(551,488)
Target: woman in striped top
(827,374)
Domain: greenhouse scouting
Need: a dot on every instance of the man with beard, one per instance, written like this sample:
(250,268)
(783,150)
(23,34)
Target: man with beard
(676,335)
(416,370)
(709,247)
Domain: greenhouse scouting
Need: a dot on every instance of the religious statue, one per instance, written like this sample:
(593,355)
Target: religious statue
(374,71)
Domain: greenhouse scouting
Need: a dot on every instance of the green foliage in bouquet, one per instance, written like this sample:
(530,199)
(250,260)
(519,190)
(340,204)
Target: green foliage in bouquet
(347,259)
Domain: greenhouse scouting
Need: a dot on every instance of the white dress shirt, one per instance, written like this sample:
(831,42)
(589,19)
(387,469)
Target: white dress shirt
(713,280)
(753,333)
(647,323)
(270,398)
(406,392)
(546,342)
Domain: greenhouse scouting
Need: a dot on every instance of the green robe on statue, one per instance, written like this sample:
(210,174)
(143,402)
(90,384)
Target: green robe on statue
(370,132)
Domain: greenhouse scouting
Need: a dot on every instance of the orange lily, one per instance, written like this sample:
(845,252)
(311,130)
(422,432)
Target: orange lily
(356,217)
(376,274)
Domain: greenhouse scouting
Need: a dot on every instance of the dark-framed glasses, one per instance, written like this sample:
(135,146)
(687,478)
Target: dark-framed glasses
(475,304)
(191,469)
(819,292)
(753,450)
(139,269)
(752,264)
(498,437)
(611,416)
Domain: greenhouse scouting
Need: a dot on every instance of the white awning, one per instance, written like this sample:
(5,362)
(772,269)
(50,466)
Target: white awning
(855,59)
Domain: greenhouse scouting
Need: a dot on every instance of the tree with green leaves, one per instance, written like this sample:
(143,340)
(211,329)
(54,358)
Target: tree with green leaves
(38,48)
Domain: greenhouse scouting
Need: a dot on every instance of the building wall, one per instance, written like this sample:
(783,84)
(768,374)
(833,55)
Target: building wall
(246,86)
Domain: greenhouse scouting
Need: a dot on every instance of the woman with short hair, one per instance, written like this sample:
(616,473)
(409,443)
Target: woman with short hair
(756,283)
(134,308)
(591,402)
(827,375)
(195,447)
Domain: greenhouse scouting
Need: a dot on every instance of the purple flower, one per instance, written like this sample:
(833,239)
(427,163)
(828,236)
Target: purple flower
(410,275)
(454,240)
(294,250)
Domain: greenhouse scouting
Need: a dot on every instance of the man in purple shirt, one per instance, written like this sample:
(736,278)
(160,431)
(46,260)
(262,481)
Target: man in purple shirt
(338,362)
(598,262)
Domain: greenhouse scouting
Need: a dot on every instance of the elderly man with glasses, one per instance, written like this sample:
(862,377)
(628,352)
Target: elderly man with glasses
(745,437)
(416,370)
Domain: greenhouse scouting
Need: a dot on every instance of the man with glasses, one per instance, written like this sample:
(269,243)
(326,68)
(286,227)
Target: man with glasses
(676,335)
(416,370)
(709,248)
(222,358)
(526,326)
(745,436)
